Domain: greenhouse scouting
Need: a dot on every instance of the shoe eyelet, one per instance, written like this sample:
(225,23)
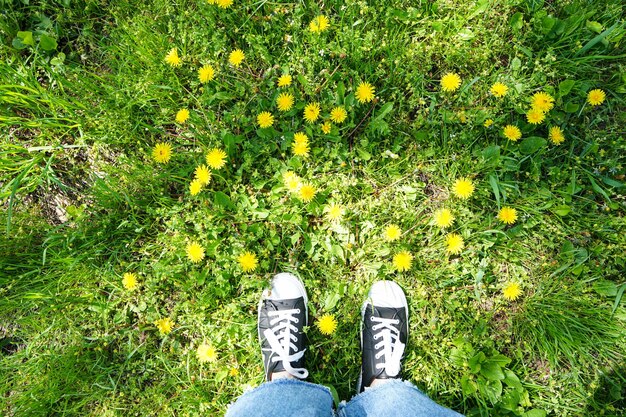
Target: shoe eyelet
(297,311)
(371,318)
(296,321)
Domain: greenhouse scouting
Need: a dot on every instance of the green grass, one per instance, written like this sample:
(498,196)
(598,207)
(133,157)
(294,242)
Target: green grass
(83,201)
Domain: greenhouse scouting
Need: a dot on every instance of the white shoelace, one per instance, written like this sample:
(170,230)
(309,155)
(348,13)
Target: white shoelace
(392,347)
(280,336)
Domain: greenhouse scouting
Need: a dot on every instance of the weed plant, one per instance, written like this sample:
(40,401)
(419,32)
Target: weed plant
(132,255)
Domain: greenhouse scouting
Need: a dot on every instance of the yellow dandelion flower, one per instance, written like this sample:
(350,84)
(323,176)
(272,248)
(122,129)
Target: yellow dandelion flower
(203,174)
(444,218)
(312,112)
(284,101)
(319,24)
(195,252)
(224,4)
(498,90)
(450,82)
(293,184)
(463,188)
(338,115)
(172,58)
(307,192)
(327,324)
(364,93)
(455,243)
(507,215)
(247,261)
(182,115)
(300,137)
(556,135)
(162,152)
(129,281)
(392,232)
(542,101)
(402,261)
(265,119)
(287,175)
(284,80)
(195,187)
(236,57)
(216,158)
(334,212)
(512,133)
(292,181)
(206,353)
(511,291)
(164,325)
(300,145)
(206,73)
(300,149)
(326,127)
(233,371)
(596,97)
(535,116)
(488,123)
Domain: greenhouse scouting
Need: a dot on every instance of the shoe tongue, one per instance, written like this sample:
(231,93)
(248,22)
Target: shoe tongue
(287,304)
(387,312)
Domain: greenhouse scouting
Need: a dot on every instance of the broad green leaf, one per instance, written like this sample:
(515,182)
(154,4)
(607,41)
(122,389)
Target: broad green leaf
(535,412)
(466,34)
(565,87)
(223,200)
(492,371)
(547,23)
(500,359)
(47,43)
(331,301)
(516,64)
(512,380)
(597,188)
(492,390)
(605,287)
(23,40)
(532,145)
(517,21)
(341,91)
(571,107)
(468,386)
(594,26)
(384,110)
(493,181)
(475,361)
(562,210)
(491,154)
(58,60)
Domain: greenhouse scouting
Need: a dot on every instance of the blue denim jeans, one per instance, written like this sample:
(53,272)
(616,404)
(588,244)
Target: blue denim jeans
(290,397)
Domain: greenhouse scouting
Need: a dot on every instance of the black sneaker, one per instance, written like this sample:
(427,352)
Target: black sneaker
(282,315)
(384,332)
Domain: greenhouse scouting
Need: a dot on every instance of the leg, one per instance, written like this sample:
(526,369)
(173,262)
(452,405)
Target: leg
(282,314)
(394,399)
(284,397)
(384,334)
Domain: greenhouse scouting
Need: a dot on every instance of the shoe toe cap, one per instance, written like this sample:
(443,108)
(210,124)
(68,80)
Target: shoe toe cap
(387,294)
(286,286)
